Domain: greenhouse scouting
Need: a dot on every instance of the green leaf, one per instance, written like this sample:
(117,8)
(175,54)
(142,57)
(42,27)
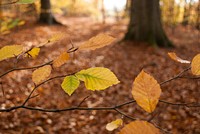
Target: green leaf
(70,84)
(26,1)
(97,78)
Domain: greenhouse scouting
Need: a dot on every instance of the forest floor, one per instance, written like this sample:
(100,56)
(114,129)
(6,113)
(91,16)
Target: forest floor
(125,59)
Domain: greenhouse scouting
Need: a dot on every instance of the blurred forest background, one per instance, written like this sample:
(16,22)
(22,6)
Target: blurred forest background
(31,24)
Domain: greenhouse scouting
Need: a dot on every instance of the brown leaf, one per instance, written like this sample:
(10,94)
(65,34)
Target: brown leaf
(146,91)
(195,66)
(139,127)
(60,60)
(174,57)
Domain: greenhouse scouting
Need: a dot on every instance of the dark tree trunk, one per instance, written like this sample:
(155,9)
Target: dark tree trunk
(46,15)
(145,23)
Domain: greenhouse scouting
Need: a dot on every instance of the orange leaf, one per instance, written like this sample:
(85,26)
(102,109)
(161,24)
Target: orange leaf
(60,60)
(139,127)
(98,41)
(146,91)
(41,74)
(195,66)
(174,57)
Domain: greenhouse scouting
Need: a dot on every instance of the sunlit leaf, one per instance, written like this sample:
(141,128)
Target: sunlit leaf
(177,59)
(97,78)
(10,51)
(146,91)
(139,127)
(26,1)
(196,65)
(70,84)
(98,41)
(34,52)
(41,74)
(61,59)
(56,37)
(114,124)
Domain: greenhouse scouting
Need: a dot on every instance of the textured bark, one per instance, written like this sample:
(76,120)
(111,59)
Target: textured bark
(145,23)
(46,15)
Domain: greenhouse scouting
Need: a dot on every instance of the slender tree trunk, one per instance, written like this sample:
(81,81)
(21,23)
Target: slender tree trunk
(145,23)
(46,15)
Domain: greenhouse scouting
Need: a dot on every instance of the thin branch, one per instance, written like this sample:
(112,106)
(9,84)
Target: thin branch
(176,76)
(125,115)
(84,99)
(181,104)
(9,3)
(25,68)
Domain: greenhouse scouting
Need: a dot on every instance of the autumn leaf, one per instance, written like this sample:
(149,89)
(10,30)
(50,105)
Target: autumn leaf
(139,127)
(98,41)
(195,66)
(60,60)
(146,91)
(56,37)
(70,84)
(174,57)
(10,51)
(34,52)
(97,78)
(114,124)
(41,74)
(25,1)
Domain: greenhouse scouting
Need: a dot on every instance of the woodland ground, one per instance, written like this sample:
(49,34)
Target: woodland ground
(125,59)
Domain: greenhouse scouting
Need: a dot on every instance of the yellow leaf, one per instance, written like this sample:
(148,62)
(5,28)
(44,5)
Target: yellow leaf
(70,84)
(34,52)
(60,60)
(97,78)
(146,91)
(56,37)
(98,41)
(41,74)
(139,127)
(114,124)
(10,51)
(174,57)
(196,65)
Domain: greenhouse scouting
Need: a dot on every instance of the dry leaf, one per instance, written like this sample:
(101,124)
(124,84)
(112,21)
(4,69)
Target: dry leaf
(195,66)
(114,124)
(139,127)
(41,74)
(146,91)
(174,57)
(98,41)
(60,60)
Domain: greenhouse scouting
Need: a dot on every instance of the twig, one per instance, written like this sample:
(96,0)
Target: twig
(25,68)
(180,104)
(176,76)
(9,3)
(83,100)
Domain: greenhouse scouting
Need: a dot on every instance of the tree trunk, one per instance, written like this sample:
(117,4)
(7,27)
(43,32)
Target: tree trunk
(145,23)
(46,15)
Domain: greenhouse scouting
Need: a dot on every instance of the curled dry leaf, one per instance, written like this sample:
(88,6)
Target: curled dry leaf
(61,59)
(114,124)
(174,57)
(195,66)
(139,127)
(146,91)
(10,51)
(98,41)
(41,74)
(97,78)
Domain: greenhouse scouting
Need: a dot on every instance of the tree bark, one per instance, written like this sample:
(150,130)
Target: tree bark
(46,15)
(145,23)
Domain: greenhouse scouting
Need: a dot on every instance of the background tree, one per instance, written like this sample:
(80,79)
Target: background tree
(46,15)
(145,23)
